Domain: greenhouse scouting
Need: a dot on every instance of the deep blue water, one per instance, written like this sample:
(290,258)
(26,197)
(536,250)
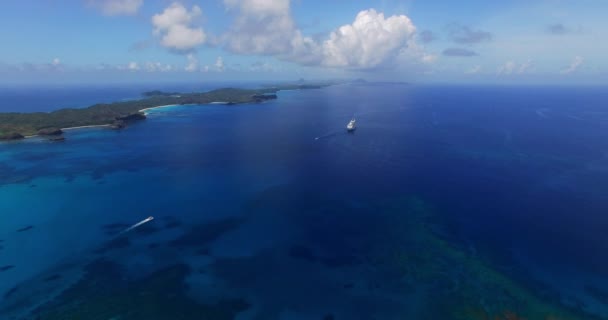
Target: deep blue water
(516,177)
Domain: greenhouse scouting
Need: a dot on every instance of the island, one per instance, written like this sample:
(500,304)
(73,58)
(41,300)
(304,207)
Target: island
(155,93)
(117,115)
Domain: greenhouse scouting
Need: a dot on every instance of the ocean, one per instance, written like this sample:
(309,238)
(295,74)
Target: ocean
(447,202)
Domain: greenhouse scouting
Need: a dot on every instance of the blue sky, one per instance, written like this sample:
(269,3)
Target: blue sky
(89,41)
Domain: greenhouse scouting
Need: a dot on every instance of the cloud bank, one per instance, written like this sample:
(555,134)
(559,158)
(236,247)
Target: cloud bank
(459,52)
(266,27)
(176,28)
(260,27)
(426,36)
(192,63)
(466,35)
(117,7)
(561,29)
(574,65)
(474,70)
(512,67)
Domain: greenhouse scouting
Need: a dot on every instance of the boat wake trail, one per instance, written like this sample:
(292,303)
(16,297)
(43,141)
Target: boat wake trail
(329,135)
(146,220)
(542,112)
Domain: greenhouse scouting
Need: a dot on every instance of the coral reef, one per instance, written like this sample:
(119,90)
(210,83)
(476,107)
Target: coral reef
(104,293)
(465,286)
(205,233)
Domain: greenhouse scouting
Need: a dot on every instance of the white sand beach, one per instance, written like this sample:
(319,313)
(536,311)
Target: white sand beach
(72,128)
(91,126)
(146,109)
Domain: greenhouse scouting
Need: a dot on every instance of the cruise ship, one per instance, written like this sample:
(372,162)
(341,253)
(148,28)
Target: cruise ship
(351,126)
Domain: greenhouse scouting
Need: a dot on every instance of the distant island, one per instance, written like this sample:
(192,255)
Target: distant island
(14,125)
(156,93)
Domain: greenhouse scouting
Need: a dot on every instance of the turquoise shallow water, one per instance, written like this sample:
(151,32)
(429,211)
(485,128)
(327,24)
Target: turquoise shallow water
(487,200)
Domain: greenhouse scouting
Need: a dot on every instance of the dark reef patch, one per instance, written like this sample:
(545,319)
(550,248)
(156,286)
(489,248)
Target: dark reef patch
(25,228)
(153,245)
(105,293)
(207,232)
(118,243)
(341,261)
(6,268)
(145,230)
(597,293)
(115,226)
(10,292)
(172,224)
(97,174)
(15,179)
(52,278)
(111,232)
(302,252)
(203,252)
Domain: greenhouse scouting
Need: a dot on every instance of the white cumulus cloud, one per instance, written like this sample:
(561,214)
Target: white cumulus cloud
(260,7)
(474,70)
(512,67)
(219,64)
(525,67)
(266,27)
(507,68)
(133,66)
(117,7)
(157,67)
(369,41)
(176,28)
(574,65)
(261,66)
(137,66)
(260,27)
(429,58)
(192,63)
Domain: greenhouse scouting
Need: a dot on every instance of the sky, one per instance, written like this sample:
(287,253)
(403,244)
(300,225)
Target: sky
(427,41)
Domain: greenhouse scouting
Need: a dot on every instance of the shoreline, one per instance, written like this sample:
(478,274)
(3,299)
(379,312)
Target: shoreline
(71,128)
(178,105)
(109,125)
(164,106)
(102,125)
(141,110)
(89,126)
(226,96)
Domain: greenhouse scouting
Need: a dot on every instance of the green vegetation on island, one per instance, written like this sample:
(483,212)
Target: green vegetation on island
(14,125)
(155,93)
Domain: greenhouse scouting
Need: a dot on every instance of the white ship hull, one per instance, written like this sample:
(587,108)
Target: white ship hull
(351,126)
